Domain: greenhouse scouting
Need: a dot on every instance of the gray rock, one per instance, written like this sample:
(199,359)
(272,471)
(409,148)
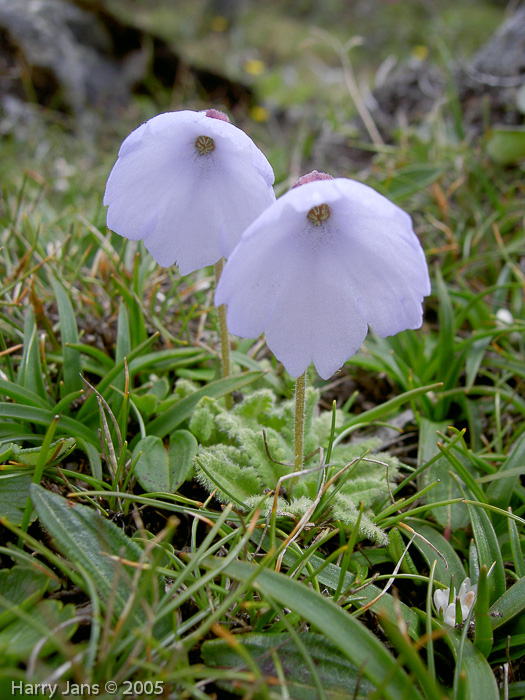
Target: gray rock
(76,57)
(503,57)
(63,48)
(486,86)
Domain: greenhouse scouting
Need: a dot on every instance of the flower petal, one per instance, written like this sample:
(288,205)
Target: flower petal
(313,284)
(254,275)
(189,208)
(383,256)
(391,283)
(184,233)
(316,320)
(143,175)
(276,282)
(449,616)
(441,598)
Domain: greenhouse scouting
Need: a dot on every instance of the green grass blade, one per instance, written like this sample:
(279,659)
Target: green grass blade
(500,491)
(483,638)
(40,416)
(122,351)
(38,472)
(510,605)
(30,373)
(356,642)
(163,360)
(480,681)
(388,407)
(69,334)
(455,516)
(453,566)
(488,549)
(105,361)
(21,394)
(91,401)
(401,641)
(515,546)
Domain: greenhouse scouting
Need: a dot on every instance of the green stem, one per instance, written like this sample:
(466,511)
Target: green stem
(300,387)
(224,336)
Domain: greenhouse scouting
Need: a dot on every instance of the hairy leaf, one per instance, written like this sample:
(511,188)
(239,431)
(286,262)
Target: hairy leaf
(340,679)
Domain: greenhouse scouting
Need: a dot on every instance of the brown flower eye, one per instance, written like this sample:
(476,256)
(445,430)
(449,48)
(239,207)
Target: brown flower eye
(319,214)
(204,145)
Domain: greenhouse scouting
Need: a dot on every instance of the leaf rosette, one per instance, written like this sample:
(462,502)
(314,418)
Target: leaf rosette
(243,453)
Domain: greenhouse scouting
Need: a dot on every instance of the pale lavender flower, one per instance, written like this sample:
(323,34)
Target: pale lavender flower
(467,596)
(188,184)
(325,261)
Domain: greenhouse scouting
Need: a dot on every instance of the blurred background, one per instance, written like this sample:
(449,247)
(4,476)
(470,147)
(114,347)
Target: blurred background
(326,85)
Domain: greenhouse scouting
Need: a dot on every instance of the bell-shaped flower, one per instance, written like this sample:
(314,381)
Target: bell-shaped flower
(325,261)
(467,596)
(188,184)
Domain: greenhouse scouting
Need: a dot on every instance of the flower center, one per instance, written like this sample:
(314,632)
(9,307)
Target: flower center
(319,214)
(204,145)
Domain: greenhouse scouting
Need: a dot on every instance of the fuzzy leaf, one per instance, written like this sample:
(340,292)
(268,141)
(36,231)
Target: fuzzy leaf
(344,509)
(251,442)
(170,419)
(18,638)
(257,406)
(340,679)
(220,467)
(14,492)
(257,418)
(84,536)
(203,424)
(20,586)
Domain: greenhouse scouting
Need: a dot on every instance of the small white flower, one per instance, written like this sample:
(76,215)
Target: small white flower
(188,184)
(323,262)
(504,318)
(467,596)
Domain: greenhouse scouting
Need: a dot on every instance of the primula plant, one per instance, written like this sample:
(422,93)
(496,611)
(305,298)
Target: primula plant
(315,269)
(175,527)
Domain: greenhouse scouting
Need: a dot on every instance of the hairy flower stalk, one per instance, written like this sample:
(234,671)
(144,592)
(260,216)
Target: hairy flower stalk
(224,336)
(300,404)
